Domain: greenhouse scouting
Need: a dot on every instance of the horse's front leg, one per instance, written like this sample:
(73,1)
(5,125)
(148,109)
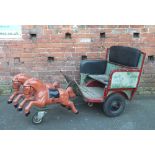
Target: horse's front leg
(15,102)
(12,97)
(31,104)
(21,105)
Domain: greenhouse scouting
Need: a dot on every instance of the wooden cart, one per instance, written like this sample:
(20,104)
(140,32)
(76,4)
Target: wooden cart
(110,82)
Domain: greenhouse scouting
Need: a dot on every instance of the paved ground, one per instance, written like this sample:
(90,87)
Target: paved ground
(139,114)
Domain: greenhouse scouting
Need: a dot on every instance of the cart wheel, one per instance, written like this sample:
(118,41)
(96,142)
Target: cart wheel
(90,104)
(114,105)
(38,117)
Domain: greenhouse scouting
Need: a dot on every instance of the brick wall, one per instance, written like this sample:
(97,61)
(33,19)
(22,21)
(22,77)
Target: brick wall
(34,54)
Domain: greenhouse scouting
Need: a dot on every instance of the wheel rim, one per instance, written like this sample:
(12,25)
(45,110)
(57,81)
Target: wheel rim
(115,106)
(36,119)
(90,104)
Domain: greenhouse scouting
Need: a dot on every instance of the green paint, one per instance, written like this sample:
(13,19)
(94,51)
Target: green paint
(5,89)
(83,78)
(124,79)
(110,67)
(140,61)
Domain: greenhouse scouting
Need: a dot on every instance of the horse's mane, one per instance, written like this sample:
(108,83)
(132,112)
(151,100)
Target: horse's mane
(34,83)
(20,77)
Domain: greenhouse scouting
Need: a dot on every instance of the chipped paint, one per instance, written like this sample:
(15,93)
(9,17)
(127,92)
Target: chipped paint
(83,78)
(110,67)
(124,80)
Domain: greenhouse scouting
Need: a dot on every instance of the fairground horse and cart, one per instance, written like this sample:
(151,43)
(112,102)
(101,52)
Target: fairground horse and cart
(108,82)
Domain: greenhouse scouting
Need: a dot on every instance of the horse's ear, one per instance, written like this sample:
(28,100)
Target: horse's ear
(33,88)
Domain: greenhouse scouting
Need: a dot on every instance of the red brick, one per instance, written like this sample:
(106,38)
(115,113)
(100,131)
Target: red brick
(147,35)
(109,26)
(27,55)
(152,30)
(137,26)
(123,26)
(51,41)
(27,45)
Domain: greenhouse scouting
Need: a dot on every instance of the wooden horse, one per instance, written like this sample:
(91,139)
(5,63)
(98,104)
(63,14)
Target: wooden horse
(45,96)
(32,95)
(17,82)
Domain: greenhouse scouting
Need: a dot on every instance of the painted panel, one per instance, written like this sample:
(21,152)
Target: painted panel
(10,32)
(140,61)
(110,67)
(83,78)
(124,80)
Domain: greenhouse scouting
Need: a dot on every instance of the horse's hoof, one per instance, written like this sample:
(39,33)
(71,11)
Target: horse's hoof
(9,102)
(16,105)
(27,114)
(62,105)
(76,112)
(19,109)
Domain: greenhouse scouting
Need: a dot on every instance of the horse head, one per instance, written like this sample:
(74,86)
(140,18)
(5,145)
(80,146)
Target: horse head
(19,80)
(32,85)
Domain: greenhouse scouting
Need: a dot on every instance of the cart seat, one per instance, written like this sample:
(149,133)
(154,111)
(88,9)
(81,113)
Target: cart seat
(53,93)
(92,93)
(101,78)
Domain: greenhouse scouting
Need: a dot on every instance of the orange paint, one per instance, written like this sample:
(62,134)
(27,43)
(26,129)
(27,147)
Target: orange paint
(40,92)
(17,81)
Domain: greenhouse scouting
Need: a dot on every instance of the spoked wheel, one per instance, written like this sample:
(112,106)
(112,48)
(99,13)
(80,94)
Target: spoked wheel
(38,117)
(114,105)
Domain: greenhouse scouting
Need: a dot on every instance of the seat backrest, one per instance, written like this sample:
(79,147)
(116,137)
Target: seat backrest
(125,56)
(93,66)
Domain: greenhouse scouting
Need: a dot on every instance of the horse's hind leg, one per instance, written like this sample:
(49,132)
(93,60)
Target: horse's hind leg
(72,106)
